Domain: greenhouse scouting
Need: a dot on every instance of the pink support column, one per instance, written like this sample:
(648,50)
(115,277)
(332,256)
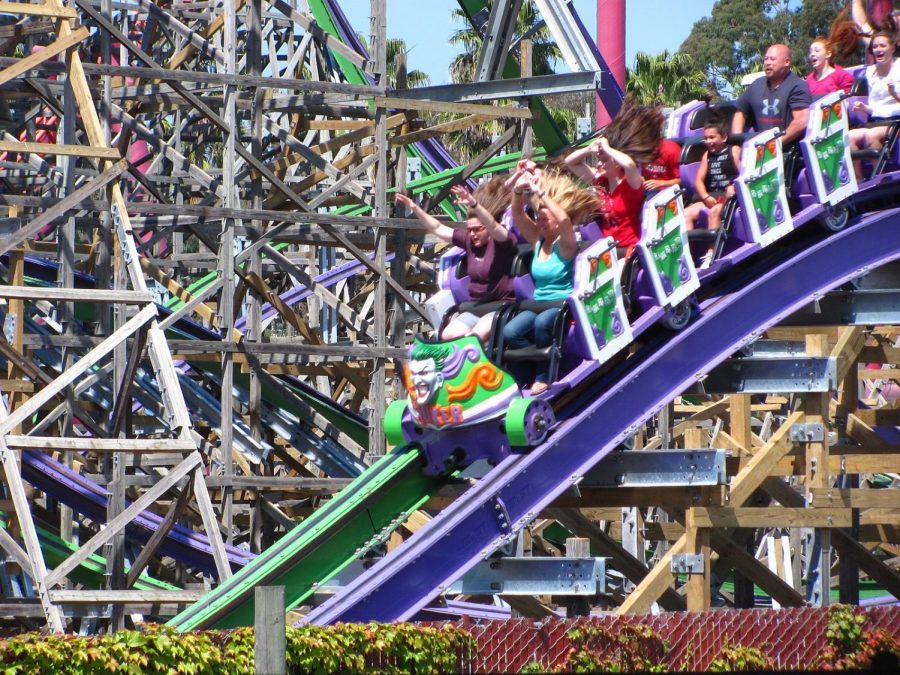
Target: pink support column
(878,10)
(611,43)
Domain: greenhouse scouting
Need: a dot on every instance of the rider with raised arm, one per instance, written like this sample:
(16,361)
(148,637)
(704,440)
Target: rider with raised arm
(632,139)
(559,204)
(490,248)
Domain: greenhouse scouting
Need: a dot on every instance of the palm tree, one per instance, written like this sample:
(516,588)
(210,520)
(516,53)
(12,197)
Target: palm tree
(665,79)
(544,52)
(467,144)
(395,47)
(414,78)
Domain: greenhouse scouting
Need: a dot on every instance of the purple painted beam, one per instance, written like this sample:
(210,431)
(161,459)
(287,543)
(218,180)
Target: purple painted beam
(517,489)
(85,496)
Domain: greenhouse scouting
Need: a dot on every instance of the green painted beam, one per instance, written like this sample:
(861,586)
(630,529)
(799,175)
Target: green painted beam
(360,517)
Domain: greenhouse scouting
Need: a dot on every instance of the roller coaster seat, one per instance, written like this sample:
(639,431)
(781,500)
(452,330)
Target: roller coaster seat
(859,93)
(456,280)
(688,120)
(454,275)
(515,360)
(523,284)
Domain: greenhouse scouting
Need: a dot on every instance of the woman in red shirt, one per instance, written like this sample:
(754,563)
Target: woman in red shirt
(620,189)
(632,139)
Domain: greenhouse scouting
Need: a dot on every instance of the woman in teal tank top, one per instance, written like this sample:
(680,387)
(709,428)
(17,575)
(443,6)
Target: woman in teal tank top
(558,202)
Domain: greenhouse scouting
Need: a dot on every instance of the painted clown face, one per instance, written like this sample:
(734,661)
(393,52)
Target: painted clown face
(425,380)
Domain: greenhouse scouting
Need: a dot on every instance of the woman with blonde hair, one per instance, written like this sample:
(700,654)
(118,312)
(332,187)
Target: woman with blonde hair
(558,204)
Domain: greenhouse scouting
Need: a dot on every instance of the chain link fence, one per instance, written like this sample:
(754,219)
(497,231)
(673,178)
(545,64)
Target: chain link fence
(792,638)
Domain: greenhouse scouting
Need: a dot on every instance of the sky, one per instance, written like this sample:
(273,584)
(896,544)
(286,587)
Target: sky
(650,26)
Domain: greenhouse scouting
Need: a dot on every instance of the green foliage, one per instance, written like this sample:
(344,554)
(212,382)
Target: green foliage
(735,658)
(633,648)
(533,667)
(732,40)
(467,144)
(544,53)
(850,646)
(155,649)
(665,79)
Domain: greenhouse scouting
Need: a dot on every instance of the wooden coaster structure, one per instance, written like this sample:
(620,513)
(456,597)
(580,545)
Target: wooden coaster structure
(232,132)
(224,130)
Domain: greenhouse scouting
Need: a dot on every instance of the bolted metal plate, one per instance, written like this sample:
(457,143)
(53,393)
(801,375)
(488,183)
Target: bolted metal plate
(658,468)
(534,576)
(773,348)
(510,576)
(850,308)
(807,433)
(766,374)
(687,563)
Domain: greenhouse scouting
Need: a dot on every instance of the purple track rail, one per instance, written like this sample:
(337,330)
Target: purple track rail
(301,292)
(518,488)
(85,496)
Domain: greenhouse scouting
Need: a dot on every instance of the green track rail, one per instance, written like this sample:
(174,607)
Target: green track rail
(360,517)
(92,572)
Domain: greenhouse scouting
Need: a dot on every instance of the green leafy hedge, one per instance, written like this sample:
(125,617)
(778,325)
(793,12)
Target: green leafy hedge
(349,648)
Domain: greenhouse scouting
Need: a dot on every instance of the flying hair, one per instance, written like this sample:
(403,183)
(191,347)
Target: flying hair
(636,131)
(493,195)
(578,202)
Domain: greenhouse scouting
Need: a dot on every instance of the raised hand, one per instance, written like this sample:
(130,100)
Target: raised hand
(462,195)
(402,199)
(523,182)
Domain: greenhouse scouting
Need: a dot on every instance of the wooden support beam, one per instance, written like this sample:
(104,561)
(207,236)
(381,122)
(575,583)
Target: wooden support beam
(48,52)
(770,517)
(59,149)
(116,524)
(472,167)
(755,570)
(438,129)
(697,543)
(159,535)
(11,546)
(109,597)
(28,9)
(77,369)
(742,487)
(857,498)
(64,205)
(93,295)
(845,544)
(35,567)
(90,444)
(494,112)
(622,560)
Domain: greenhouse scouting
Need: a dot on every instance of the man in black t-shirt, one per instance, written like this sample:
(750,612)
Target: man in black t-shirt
(780,99)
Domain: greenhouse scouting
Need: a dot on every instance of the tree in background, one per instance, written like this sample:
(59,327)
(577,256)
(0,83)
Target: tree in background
(395,47)
(731,41)
(467,144)
(414,78)
(665,79)
(544,53)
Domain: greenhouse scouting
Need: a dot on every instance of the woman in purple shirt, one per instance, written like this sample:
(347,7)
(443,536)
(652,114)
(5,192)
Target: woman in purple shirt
(825,76)
(490,250)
